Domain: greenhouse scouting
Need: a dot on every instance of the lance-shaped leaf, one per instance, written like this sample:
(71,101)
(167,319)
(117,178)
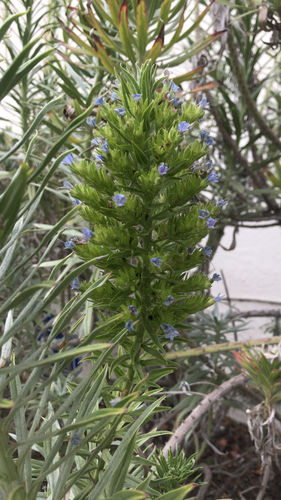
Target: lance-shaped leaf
(208,86)
(177,32)
(5,26)
(196,23)
(163,16)
(124,31)
(188,76)
(88,49)
(93,22)
(103,55)
(114,10)
(141,27)
(156,48)
(200,46)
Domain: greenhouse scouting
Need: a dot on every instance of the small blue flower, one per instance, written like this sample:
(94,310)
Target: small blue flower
(129,326)
(207,251)
(95,142)
(68,245)
(171,334)
(163,169)
(176,102)
(213,178)
(120,111)
(216,277)
(203,102)
(105,148)
(136,97)
(133,310)
(99,101)
(203,214)
(91,121)
(183,126)
(66,185)
(169,300)
(114,96)
(204,135)
(76,202)
(116,82)
(76,439)
(100,158)
(114,401)
(68,160)
(87,233)
(119,200)
(156,261)
(211,222)
(174,87)
(190,250)
(218,298)
(210,141)
(221,203)
(166,327)
(75,285)
(208,165)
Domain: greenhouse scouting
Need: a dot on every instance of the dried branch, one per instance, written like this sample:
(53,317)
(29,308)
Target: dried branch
(192,420)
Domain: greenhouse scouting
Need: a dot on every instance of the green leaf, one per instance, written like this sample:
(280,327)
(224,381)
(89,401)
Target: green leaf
(103,56)
(128,495)
(187,76)
(124,31)
(114,10)
(178,494)
(163,16)
(5,26)
(141,22)
(11,199)
(28,292)
(119,476)
(156,48)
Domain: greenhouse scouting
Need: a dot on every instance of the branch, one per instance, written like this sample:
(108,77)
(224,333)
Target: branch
(191,421)
(255,314)
(226,346)
(271,203)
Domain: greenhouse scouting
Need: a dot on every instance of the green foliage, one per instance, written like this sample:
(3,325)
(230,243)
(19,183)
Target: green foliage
(174,470)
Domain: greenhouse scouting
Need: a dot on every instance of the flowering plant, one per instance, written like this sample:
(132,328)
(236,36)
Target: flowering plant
(140,198)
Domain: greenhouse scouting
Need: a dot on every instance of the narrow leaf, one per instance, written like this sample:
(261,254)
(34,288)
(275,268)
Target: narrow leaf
(124,31)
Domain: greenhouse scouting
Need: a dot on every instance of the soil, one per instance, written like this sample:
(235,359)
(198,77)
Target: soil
(237,474)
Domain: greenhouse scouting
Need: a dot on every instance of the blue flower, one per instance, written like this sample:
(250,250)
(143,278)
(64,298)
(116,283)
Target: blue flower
(76,202)
(120,111)
(105,148)
(68,245)
(207,251)
(190,250)
(210,141)
(114,96)
(183,126)
(117,83)
(95,142)
(133,310)
(75,285)
(119,200)
(76,439)
(91,121)
(204,135)
(165,81)
(68,160)
(218,298)
(66,185)
(99,101)
(208,165)
(174,87)
(156,261)
(166,327)
(129,326)
(163,169)
(100,158)
(203,214)
(136,97)
(114,401)
(213,178)
(171,334)
(221,203)
(216,277)
(203,102)
(211,222)
(87,233)
(176,102)
(169,300)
